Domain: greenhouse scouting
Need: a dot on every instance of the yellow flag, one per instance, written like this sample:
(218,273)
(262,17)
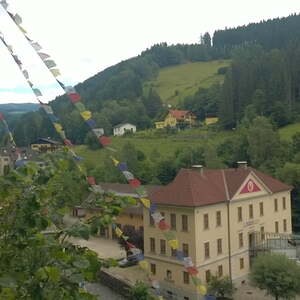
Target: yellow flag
(173,244)
(118,231)
(144,265)
(22,29)
(201,289)
(146,202)
(116,162)
(58,127)
(86,114)
(55,72)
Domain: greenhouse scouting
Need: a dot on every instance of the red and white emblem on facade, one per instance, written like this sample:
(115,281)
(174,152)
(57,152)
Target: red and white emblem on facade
(250,187)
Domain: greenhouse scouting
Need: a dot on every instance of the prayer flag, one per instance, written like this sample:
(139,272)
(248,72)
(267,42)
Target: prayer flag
(173,244)
(201,289)
(36,46)
(47,109)
(25,73)
(192,270)
(43,56)
(152,208)
(92,123)
(50,63)
(37,92)
(86,115)
(70,90)
(68,142)
(1,117)
(55,72)
(123,166)
(141,191)
(104,140)
(162,225)
(128,175)
(91,180)
(196,280)
(118,231)
(187,262)
(63,135)
(80,106)
(115,162)
(157,217)
(146,202)
(169,235)
(179,255)
(75,97)
(22,29)
(129,245)
(144,265)
(17,19)
(53,118)
(135,183)
(58,127)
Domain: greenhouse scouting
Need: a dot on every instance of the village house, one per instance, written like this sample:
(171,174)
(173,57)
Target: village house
(210,119)
(121,129)
(175,117)
(131,217)
(45,145)
(217,216)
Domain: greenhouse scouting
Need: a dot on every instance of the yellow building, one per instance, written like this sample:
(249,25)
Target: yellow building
(211,120)
(216,215)
(131,217)
(174,117)
(45,145)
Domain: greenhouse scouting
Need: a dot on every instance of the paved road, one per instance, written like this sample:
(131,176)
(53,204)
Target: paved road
(104,292)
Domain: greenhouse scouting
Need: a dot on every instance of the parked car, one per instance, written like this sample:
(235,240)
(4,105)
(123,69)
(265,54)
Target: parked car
(130,260)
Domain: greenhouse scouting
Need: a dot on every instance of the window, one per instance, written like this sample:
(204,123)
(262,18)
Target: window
(153,268)
(151,221)
(261,209)
(206,222)
(250,211)
(174,252)
(284,225)
(206,250)
(218,218)
(240,214)
(241,263)
(169,275)
(162,247)
(262,233)
(207,276)
(276,227)
(241,240)
(186,278)
(152,244)
(275,204)
(283,203)
(219,246)
(173,221)
(220,270)
(184,223)
(185,249)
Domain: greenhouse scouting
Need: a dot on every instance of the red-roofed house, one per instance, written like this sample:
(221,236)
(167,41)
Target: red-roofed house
(176,116)
(216,216)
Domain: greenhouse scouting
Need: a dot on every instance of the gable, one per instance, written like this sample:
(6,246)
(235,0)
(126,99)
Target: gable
(252,186)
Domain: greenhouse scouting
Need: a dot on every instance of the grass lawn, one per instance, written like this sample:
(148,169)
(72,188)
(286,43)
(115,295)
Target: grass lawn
(166,146)
(175,83)
(288,131)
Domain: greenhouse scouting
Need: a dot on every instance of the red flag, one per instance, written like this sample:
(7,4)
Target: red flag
(68,142)
(192,270)
(130,245)
(104,140)
(135,183)
(162,225)
(75,97)
(1,117)
(91,180)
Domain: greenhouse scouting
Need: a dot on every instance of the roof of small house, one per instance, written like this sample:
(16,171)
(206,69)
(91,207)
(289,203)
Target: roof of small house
(180,114)
(194,188)
(123,124)
(45,141)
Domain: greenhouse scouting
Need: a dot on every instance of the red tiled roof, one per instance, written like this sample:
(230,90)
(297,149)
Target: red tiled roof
(179,114)
(193,188)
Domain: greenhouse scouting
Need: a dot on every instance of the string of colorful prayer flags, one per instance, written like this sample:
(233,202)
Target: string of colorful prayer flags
(105,141)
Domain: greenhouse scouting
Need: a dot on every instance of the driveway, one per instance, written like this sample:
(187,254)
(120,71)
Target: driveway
(103,291)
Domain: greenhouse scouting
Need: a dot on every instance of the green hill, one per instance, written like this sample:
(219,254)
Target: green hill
(175,83)
(288,131)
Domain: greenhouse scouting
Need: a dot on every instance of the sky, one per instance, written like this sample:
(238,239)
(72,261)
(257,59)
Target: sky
(86,36)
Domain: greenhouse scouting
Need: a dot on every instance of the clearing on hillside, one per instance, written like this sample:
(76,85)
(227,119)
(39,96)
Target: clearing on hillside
(175,83)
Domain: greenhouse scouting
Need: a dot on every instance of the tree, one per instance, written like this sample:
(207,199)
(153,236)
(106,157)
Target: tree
(206,39)
(276,274)
(221,286)
(35,264)
(140,291)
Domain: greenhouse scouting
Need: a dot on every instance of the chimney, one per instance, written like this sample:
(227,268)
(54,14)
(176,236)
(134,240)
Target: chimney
(198,168)
(242,164)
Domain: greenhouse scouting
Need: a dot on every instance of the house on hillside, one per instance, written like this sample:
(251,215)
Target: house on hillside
(121,129)
(131,217)
(175,117)
(211,119)
(217,217)
(45,145)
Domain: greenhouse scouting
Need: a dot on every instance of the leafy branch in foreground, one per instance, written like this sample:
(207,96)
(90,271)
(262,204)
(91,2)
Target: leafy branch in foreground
(36,259)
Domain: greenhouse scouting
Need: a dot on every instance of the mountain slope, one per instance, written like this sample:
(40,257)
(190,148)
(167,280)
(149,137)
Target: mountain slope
(175,83)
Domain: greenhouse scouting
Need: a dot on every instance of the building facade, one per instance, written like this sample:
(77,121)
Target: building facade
(45,145)
(215,214)
(121,129)
(174,117)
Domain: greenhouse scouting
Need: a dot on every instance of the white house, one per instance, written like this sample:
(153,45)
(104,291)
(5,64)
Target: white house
(122,128)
